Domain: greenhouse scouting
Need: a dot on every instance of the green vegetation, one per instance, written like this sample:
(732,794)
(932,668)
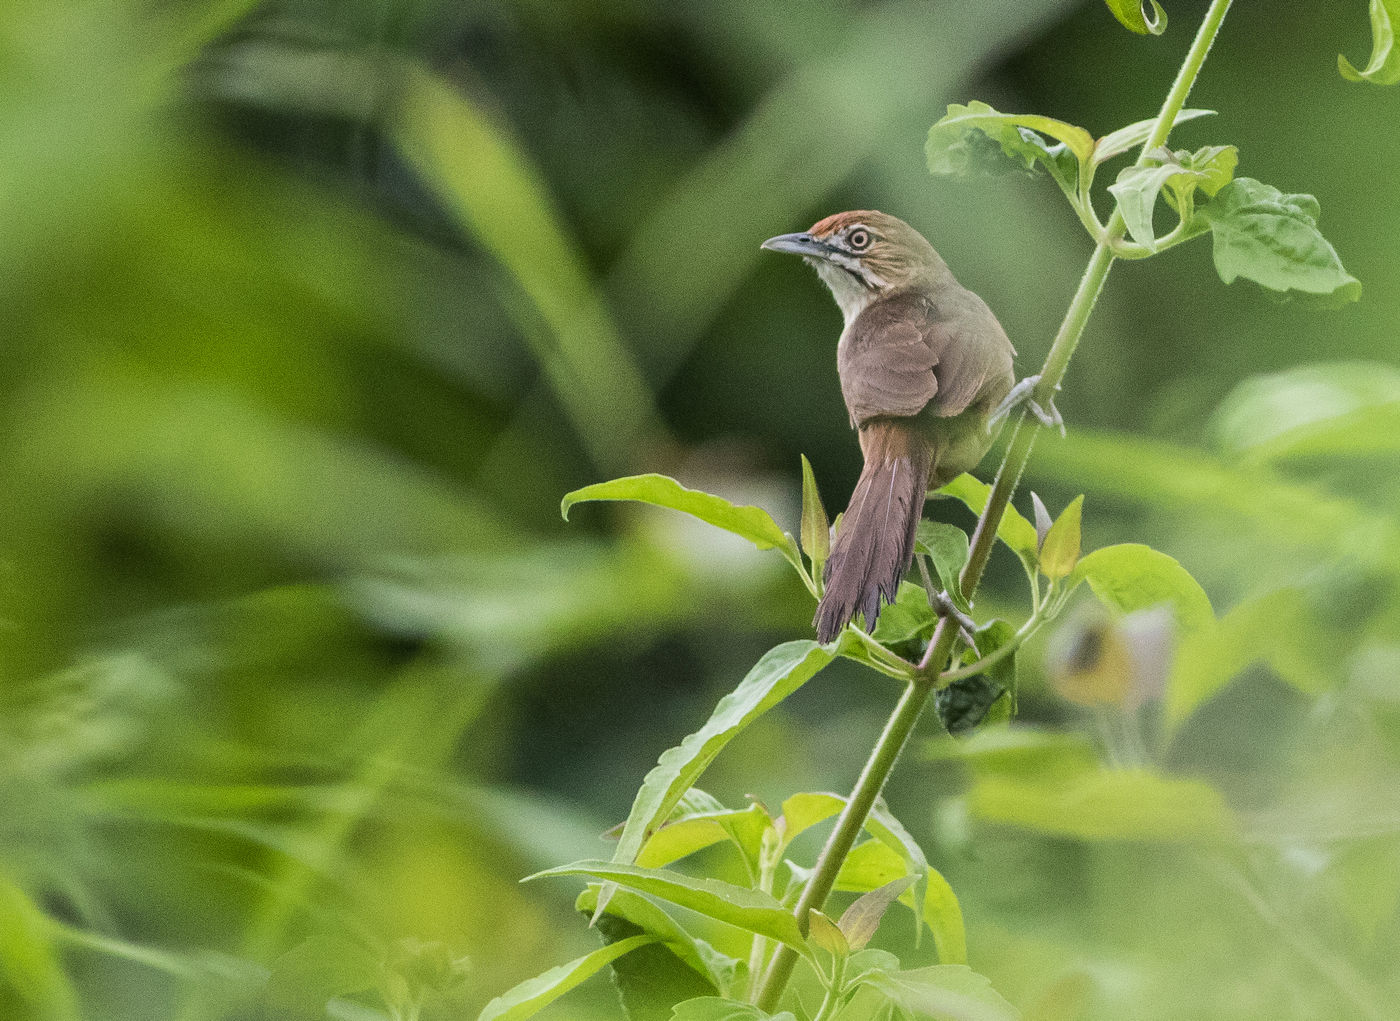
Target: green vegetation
(317,310)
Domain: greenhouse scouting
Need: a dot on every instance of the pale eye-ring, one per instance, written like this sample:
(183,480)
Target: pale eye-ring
(859,239)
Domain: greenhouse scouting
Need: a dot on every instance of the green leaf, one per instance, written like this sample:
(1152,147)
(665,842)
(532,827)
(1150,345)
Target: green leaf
(1018,751)
(1131,576)
(803,811)
(1105,804)
(1369,433)
(713,1008)
(777,675)
(948,992)
(860,921)
(416,970)
(1116,143)
(943,915)
(1133,15)
(947,546)
(1384,65)
(856,645)
(824,934)
(693,831)
(1271,238)
(870,865)
(533,995)
(1136,190)
(1004,128)
(695,802)
(677,967)
(883,826)
(1197,486)
(488,183)
(1279,628)
(316,970)
(910,616)
(962,141)
(1328,408)
(29,963)
(1060,552)
(1208,169)
(1014,530)
(866,1003)
(640,915)
(752,523)
(750,910)
(872,959)
(816,526)
(967,702)
(932,900)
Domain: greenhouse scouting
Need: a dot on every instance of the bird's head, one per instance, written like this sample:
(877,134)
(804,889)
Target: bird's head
(863,255)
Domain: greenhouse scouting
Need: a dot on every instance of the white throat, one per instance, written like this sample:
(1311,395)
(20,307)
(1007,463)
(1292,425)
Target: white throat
(851,295)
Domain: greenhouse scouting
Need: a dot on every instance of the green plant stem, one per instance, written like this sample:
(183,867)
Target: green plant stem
(878,657)
(848,826)
(928,675)
(995,656)
(769,856)
(160,960)
(832,1000)
(1185,78)
(758,950)
(1072,328)
(1185,230)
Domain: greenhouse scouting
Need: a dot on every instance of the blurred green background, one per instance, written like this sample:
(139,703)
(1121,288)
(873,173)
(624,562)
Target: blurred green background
(317,307)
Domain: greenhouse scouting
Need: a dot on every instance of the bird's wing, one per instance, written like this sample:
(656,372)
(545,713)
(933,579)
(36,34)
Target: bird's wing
(902,355)
(964,371)
(972,353)
(886,366)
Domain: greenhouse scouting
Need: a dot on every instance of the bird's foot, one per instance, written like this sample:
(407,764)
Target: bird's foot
(944,606)
(1048,415)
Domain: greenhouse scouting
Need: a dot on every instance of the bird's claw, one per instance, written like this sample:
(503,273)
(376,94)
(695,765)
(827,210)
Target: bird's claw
(1048,415)
(944,606)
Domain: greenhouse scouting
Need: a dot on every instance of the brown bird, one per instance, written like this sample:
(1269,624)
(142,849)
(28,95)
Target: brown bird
(924,366)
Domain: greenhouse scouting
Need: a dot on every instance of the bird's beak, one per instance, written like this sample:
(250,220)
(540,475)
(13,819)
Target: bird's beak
(797,244)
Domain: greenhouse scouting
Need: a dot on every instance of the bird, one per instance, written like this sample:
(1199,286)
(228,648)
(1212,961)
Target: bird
(925,369)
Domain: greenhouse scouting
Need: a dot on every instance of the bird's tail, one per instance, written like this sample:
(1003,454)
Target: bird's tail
(875,543)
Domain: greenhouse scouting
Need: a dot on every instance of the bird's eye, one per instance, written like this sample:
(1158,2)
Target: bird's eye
(859,239)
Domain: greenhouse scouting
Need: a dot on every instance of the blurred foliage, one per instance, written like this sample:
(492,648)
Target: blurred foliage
(316,310)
